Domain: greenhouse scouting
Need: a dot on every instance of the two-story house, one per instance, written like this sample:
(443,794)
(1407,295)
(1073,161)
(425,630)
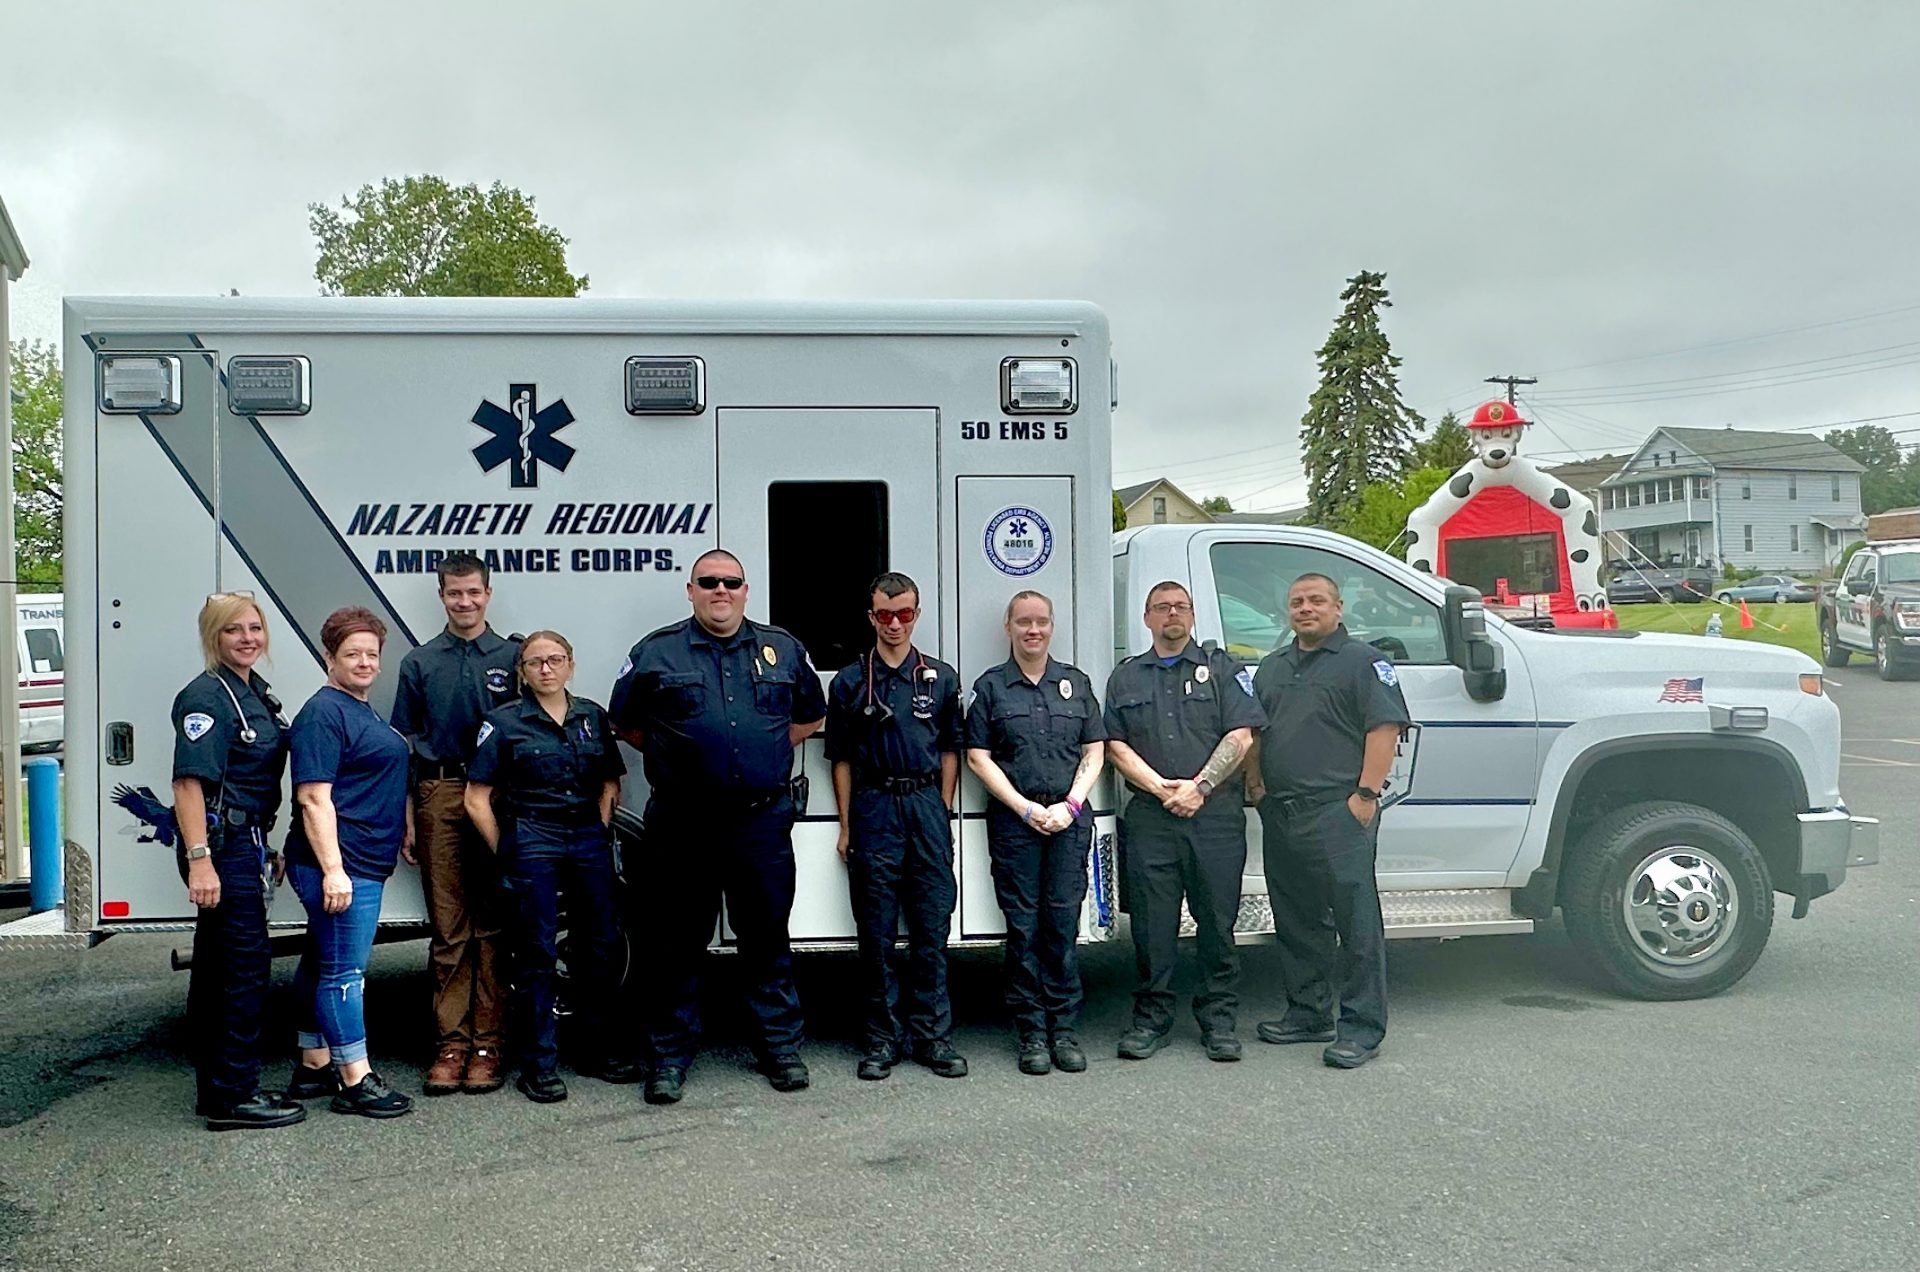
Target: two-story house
(1719,496)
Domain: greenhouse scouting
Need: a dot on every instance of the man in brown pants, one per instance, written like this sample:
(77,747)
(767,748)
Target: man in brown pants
(446,686)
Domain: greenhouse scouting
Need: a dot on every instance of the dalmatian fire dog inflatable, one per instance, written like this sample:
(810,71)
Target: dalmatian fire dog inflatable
(1494,515)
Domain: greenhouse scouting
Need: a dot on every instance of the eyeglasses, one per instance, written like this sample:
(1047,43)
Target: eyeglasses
(238,594)
(714,582)
(546,661)
(895,618)
(1170,607)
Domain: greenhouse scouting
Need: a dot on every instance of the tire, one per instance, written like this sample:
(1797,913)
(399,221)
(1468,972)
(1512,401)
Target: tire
(1779,598)
(1832,652)
(1695,858)
(1889,664)
(1725,598)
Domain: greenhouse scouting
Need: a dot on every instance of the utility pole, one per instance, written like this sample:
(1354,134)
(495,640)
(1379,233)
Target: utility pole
(1512,382)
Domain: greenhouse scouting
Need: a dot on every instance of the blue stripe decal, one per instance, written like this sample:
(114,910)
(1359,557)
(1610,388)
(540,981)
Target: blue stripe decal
(1467,803)
(1496,724)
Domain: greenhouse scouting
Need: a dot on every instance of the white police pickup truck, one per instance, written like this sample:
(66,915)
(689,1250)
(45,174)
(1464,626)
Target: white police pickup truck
(1657,789)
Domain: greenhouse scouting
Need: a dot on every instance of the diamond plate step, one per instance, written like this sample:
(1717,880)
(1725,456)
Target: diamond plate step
(46,931)
(1438,913)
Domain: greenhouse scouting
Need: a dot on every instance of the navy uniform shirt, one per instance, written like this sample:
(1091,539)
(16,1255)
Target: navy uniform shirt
(207,744)
(1035,731)
(1174,715)
(340,740)
(715,709)
(1320,707)
(447,686)
(544,771)
(923,695)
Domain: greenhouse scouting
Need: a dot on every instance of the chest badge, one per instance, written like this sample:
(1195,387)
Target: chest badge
(497,681)
(766,652)
(1066,688)
(1203,675)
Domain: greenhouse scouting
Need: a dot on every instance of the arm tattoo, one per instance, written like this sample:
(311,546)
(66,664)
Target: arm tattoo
(1225,758)
(1088,763)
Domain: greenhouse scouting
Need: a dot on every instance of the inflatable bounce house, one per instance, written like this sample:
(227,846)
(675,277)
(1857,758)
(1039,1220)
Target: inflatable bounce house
(1528,542)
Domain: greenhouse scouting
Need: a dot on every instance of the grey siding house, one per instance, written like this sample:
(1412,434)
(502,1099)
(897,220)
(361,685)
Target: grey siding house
(1727,496)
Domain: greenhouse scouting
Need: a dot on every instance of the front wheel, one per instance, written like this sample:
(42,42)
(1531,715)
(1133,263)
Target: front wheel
(1832,652)
(1669,900)
(1885,661)
(1725,598)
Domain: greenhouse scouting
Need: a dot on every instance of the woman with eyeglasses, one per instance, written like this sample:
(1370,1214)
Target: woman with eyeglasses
(350,783)
(229,752)
(1036,741)
(551,762)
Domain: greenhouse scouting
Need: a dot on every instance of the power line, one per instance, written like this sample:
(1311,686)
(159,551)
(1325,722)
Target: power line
(1725,375)
(1510,381)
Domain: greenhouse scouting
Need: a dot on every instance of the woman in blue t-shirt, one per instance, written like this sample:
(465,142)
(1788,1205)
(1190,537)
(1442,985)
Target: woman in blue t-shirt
(350,783)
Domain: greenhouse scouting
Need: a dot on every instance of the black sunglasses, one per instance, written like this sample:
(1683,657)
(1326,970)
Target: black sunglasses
(714,582)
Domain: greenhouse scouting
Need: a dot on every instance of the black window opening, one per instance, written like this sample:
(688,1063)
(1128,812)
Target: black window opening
(1530,563)
(43,650)
(826,540)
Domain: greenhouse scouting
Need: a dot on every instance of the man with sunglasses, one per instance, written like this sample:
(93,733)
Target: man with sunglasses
(447,686)
(893,736)
(715,705)
(1180,719)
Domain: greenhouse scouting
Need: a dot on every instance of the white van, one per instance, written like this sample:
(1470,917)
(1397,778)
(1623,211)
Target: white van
(42,651)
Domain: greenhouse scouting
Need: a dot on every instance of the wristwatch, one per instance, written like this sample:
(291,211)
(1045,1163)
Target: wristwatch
(1367,793)
(199,852)
(1205,787)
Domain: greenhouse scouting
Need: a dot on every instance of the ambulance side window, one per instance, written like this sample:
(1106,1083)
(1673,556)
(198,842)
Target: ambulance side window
(827,540)
(43,650)
(1252,579)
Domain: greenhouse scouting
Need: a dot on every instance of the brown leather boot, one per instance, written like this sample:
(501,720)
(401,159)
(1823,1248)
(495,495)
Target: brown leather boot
(445,1076)
(483,1071)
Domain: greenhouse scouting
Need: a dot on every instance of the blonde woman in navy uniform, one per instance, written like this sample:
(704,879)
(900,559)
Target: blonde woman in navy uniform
(229,754)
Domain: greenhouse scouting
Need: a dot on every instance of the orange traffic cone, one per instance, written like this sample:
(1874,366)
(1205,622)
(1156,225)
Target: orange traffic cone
(1746,619)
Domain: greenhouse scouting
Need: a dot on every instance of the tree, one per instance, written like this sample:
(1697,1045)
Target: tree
(1448,446)
(1357,431)
(420,236)
(1119,514)
(1892,479)
(1215,503)
(37,490)
(1380,517)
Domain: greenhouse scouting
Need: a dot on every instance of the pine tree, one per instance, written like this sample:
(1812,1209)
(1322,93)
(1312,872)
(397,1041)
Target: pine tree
(1448,446)
(1356,431)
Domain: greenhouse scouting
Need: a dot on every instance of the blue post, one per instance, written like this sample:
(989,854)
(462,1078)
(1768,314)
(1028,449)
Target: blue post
(48,887)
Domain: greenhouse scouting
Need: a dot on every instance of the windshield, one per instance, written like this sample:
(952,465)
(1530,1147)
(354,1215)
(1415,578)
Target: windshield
(1901,568)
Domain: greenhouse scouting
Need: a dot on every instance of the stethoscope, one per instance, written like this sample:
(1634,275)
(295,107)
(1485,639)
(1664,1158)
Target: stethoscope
(247,734)
(874,707)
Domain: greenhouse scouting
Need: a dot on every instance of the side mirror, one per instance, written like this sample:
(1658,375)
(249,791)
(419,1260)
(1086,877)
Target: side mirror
(1859,587)
(1481,661)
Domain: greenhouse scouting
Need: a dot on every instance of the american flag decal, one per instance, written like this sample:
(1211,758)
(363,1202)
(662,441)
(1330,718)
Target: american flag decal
(1684,690)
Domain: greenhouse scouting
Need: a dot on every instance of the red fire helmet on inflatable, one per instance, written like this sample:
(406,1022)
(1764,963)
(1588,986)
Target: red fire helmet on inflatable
(1497,414)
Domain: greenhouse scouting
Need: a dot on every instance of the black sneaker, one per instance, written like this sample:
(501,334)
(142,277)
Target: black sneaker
(312,1084)
(664,1083)
(785,1072)
(1348,1055)
(1221,1044)
(261,1111)
(1281,1032)
(1068,1055)
(1035,1059)
(616,1071)
(877,1064)
(1141,1043)
(543,1087)
(940,1056)
(371,1097)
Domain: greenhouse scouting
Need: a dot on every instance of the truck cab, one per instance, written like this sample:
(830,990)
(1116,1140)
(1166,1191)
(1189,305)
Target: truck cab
(1659,789)
(1875,610)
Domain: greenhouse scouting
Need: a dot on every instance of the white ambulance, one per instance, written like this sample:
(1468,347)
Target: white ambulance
(41,648)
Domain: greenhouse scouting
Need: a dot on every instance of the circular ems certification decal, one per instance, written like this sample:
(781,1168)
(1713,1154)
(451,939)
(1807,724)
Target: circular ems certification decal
(1019,541)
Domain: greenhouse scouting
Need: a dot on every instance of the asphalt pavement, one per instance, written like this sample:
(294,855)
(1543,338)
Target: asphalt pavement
(1519,1117)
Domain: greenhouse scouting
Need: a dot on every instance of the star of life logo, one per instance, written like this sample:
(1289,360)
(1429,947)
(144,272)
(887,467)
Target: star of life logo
(523,436)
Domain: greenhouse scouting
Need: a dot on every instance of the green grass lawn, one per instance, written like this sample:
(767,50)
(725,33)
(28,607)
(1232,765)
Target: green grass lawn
(1795,626)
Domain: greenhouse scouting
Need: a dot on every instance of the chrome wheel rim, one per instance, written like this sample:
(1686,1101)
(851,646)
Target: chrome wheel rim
(1680,906)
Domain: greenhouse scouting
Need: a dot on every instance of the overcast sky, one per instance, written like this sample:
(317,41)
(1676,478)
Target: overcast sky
(1691,214)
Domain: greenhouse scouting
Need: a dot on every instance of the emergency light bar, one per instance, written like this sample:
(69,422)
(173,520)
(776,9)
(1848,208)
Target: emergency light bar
(280,385)
(666,386)
(134,384)
(1038,386)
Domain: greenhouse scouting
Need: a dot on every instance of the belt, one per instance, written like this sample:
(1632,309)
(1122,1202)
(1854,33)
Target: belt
(896,785)
(1293,806)
(439,770)
(241,817)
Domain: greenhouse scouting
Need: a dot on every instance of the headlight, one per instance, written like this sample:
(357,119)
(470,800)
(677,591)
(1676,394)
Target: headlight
(1907,613)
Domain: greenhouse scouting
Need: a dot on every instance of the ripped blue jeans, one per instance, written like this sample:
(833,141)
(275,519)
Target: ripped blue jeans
(331,983)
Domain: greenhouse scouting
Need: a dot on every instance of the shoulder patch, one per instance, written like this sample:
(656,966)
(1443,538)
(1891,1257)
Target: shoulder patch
(196,725)
(486,731)
(626,669)
(1384,669)
(1244,679)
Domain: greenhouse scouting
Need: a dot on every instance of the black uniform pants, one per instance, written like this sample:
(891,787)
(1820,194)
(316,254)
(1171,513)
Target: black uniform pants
(1320,863)
(1041,883)
(1201,859)
(695,854)
(900,865)
(232,965)
(539,861)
